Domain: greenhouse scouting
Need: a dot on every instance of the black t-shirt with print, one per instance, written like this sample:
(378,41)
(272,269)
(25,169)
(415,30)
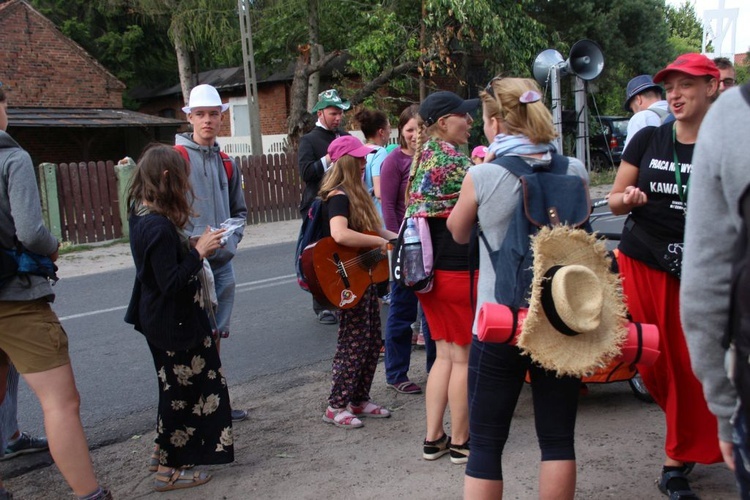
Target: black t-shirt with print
(662,217)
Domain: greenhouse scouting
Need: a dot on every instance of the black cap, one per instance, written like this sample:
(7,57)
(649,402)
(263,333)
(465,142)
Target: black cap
(444,103)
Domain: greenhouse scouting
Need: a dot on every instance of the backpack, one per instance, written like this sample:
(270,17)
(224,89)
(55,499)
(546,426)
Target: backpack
(549,196)
(225,159)
(664,115)
(312,230)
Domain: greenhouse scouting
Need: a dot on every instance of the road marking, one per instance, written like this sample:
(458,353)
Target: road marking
(92,313)
(240,287)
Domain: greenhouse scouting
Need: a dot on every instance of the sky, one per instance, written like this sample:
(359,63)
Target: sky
(742,29)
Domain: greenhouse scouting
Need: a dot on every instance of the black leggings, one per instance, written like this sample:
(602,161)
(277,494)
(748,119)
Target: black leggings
(496,376)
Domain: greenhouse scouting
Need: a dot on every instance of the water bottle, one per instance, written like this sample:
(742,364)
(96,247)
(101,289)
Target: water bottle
(413,267)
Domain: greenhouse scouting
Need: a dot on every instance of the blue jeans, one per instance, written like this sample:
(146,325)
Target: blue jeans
(496,376)
(741,454)
(224,282)
(401,314)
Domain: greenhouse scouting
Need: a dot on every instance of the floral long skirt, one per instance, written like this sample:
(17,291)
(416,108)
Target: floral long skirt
(194,423)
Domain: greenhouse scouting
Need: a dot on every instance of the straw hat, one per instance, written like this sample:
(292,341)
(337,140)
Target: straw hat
(576,321)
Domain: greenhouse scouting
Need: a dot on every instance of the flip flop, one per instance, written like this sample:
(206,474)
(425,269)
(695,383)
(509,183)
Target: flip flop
(406,387)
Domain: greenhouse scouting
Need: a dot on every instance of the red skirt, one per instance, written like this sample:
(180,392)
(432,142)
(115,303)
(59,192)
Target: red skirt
(653,296)
(447,306)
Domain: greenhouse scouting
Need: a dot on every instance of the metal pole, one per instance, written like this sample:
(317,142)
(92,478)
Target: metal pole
(556,107)
(582,118)
(251,85)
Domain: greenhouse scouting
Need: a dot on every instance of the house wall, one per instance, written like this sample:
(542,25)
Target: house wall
(274,108)
(44,68)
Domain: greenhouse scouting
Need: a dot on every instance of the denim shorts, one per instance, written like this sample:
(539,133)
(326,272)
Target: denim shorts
(32,337)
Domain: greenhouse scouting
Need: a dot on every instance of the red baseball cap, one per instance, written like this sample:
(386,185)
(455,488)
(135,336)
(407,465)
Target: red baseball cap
(348,145)
(691,64)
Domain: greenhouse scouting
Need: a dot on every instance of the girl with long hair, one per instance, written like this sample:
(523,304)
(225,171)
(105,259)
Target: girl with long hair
(516,123)
(351,214)
(436,175)
(194,424)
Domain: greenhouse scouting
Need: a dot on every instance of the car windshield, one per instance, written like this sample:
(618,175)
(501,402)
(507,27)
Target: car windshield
(621,126)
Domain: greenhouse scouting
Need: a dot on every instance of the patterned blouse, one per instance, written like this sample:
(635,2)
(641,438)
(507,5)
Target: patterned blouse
(438,179)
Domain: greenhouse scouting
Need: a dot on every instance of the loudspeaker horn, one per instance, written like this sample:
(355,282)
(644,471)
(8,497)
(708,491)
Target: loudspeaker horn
(542,64)
(586,60)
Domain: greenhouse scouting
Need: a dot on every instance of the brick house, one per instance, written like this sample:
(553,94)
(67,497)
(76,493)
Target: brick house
(63,106)
(273,99)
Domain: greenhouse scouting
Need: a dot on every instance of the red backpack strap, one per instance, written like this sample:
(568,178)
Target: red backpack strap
(183,152)
(227,161)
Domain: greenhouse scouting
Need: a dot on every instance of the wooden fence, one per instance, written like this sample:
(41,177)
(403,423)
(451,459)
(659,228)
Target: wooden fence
(88,202)
(83,202)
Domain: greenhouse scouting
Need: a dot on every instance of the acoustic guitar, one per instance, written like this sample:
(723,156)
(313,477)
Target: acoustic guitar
(338,276)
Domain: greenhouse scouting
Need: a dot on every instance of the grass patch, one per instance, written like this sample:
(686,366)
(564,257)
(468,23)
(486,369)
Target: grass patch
(602,178)
(67,247)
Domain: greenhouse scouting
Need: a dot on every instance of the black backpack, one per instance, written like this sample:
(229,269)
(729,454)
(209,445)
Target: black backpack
(312,231)
(549,196)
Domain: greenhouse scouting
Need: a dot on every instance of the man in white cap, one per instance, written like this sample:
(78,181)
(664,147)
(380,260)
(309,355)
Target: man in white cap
(314,160)
(217,184)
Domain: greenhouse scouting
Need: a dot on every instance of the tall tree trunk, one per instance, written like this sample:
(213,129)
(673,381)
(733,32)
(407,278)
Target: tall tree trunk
(316,52)
(183,61)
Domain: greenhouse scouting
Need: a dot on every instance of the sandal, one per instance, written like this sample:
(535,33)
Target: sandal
(176,479)
(368,409)
(663,484)
(341,418)
(406,387)
(153,461)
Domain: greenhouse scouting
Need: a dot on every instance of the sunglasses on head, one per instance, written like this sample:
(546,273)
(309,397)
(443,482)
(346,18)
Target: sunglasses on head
(490,89)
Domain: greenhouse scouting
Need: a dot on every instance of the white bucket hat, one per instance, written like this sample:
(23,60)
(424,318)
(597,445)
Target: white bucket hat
(204,96)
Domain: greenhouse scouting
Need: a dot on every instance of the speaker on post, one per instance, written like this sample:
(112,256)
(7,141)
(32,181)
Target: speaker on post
(586,60)
(546,60)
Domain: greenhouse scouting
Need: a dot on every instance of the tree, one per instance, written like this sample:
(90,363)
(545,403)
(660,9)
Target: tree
(632,34)
(134,49)
(685,30)
(381,41)
(191,24)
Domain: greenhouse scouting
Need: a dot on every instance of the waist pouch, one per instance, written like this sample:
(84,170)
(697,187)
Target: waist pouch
(667,255)
(26,262)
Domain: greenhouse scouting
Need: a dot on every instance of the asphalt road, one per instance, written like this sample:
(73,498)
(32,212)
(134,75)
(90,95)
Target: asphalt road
(273,330)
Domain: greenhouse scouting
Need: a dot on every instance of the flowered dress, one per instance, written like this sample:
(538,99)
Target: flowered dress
(194,424)
(437,181)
